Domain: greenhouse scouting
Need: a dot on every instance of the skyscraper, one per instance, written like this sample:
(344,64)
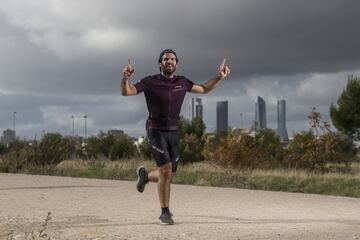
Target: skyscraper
(9,136)
(260,113)
(196,108)
(222,116)
(281,120)
(192,108)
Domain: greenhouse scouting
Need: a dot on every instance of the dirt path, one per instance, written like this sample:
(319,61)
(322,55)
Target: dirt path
(105,209)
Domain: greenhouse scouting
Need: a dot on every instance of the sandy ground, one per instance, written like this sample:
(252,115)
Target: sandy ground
(108,209)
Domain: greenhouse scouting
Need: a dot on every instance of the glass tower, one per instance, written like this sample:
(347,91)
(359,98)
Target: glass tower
(281,120)
(260,113)
(222,122)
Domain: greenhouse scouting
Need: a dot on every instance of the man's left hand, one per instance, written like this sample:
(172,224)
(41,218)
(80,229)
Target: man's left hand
(223,70)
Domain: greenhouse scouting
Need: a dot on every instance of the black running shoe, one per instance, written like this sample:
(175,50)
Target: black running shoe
(142,178)
(165,219)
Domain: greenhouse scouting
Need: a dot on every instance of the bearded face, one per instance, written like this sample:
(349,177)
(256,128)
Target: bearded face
(168,64)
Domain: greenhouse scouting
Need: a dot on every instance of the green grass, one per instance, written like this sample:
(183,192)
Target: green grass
(206,174)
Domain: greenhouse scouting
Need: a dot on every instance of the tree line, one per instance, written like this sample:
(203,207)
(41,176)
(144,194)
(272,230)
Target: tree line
(308,150)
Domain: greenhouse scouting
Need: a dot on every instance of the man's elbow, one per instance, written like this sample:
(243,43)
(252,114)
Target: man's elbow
(205,89)
(128,92)
(125,93)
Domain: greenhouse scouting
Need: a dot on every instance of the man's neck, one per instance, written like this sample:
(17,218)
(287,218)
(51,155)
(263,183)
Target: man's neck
(167,76)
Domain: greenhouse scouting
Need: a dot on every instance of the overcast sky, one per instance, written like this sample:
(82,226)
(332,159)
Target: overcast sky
(61,58)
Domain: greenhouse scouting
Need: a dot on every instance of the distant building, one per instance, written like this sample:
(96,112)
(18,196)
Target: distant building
(222,122)
(8,136)
(260,113)
(116,132)
(196,108)
(281,121)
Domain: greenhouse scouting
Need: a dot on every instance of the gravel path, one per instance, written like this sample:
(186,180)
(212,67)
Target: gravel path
(108,209)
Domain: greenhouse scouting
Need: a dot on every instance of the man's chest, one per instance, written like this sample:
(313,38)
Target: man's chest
(167,90)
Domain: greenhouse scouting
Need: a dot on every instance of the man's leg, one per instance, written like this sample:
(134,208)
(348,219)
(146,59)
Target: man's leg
(153,175)
(163,184)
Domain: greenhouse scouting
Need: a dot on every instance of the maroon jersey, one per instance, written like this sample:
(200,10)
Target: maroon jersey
(164,98)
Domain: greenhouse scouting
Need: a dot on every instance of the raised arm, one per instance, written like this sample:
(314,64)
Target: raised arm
(127,89)
(214,82)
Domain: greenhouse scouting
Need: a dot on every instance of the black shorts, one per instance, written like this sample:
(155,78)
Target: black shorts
(164,147)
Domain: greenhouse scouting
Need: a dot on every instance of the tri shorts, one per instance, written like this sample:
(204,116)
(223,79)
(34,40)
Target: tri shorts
(164,147)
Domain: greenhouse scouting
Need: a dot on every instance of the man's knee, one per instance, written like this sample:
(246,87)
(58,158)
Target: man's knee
(166,170)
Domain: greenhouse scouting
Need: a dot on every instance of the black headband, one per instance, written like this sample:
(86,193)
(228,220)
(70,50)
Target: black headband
(167,51)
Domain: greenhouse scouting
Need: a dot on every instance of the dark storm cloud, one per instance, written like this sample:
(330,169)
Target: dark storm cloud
(67,56)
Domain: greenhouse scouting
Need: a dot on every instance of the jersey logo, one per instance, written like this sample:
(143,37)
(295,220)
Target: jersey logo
(157,149)
(178,88)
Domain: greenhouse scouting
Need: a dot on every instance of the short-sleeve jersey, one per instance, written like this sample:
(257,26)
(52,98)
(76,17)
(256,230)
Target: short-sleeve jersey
(164,98)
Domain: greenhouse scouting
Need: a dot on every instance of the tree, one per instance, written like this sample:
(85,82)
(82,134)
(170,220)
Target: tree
(144,149)
(123,147)
(3,149)
(99,145)
(94,147)
(191,139)
(53,149)
(346,115)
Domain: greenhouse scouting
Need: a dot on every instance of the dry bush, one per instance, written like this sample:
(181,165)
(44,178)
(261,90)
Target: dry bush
(52,149)
(315,154)
(244,151)
(191,147)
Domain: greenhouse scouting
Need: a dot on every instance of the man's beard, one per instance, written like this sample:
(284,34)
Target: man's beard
(167,71)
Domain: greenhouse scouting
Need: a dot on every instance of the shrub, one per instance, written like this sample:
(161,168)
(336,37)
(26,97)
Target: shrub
(99,145)
(144,149)
(230,151)
(244,151)
(310,153)
(93,147)
(191,140)
(338,148)
(3,149)
(268,148)
(305,152)
(123,147)
(191,148)
(53,148)
(20,155)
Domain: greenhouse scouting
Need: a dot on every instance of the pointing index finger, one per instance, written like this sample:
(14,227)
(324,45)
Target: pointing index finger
(129,61)
(223,62)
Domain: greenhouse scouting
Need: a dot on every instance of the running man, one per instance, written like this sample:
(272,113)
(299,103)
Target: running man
(164,94)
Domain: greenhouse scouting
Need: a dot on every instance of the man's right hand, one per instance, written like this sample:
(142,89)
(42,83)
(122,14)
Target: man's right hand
(128,70)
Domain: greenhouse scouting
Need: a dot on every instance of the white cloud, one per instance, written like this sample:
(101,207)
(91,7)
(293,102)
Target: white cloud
(67,29)
(322,88)
(108,39)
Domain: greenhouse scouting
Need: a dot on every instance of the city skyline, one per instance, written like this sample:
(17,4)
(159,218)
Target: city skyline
(196,108)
